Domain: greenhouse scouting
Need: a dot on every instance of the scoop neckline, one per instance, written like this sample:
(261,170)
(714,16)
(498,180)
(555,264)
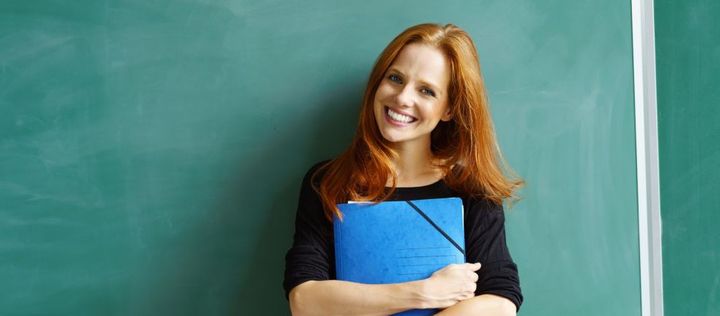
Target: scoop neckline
(418,187)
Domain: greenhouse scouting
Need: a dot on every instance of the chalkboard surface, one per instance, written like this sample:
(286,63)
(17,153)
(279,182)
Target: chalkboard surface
(688,63)
(151,152)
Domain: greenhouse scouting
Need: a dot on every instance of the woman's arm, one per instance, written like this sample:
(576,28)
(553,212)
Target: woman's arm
(485,242)
(446,287)
(333,297)
(484,305)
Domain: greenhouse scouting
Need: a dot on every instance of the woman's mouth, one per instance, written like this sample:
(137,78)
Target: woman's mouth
(398,119)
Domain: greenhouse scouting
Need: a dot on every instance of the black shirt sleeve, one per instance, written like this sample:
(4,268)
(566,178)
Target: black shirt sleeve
(309,256)
(485,243)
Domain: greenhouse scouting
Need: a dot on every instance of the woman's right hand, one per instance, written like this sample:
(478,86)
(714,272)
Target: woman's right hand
(450,285)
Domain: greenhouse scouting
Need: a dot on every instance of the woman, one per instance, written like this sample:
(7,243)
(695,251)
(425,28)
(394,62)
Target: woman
(425,131)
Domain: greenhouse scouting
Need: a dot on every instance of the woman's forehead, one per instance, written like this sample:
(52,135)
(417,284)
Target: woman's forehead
(423,63)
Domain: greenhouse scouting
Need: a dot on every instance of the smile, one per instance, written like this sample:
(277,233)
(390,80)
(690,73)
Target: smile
(397,118)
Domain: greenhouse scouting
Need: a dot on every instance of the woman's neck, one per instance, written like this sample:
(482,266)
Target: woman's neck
(414,165)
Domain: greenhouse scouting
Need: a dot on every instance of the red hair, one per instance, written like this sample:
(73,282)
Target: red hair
(466,146)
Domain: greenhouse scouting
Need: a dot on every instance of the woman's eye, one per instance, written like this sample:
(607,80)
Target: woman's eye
(428,92)
(394,78)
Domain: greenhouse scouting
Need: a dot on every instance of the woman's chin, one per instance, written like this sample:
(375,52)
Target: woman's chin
(394,138)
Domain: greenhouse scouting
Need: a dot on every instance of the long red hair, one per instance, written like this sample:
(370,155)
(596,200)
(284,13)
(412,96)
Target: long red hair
(466,146)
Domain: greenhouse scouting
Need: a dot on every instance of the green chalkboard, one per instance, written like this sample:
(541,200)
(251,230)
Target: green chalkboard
(688,67)
(151,152)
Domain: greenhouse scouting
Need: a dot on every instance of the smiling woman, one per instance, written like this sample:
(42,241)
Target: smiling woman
(425,131)
(407,107)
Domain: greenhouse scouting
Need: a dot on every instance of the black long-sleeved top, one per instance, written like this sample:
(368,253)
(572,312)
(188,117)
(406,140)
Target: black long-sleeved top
(312,255)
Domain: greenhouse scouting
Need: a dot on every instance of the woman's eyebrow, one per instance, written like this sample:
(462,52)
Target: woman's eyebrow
(393,69)
(431,85)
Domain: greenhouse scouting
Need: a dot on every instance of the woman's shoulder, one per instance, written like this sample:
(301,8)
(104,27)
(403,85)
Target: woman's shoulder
(313,169)
(479,203)
(317,165)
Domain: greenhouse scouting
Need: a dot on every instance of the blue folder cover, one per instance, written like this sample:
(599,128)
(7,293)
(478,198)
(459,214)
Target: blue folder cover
(398,241)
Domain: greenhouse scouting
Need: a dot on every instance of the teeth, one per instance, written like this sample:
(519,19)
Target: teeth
(399,117)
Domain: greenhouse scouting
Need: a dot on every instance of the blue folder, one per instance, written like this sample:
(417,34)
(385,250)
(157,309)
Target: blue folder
(398,241)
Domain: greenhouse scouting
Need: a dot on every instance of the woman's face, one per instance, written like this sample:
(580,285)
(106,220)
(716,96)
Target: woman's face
(412,97)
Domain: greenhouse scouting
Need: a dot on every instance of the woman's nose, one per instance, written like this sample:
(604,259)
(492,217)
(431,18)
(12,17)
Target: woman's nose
(404,96)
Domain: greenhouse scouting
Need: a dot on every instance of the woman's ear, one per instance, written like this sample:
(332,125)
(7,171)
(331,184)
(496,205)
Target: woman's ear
(447,116)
